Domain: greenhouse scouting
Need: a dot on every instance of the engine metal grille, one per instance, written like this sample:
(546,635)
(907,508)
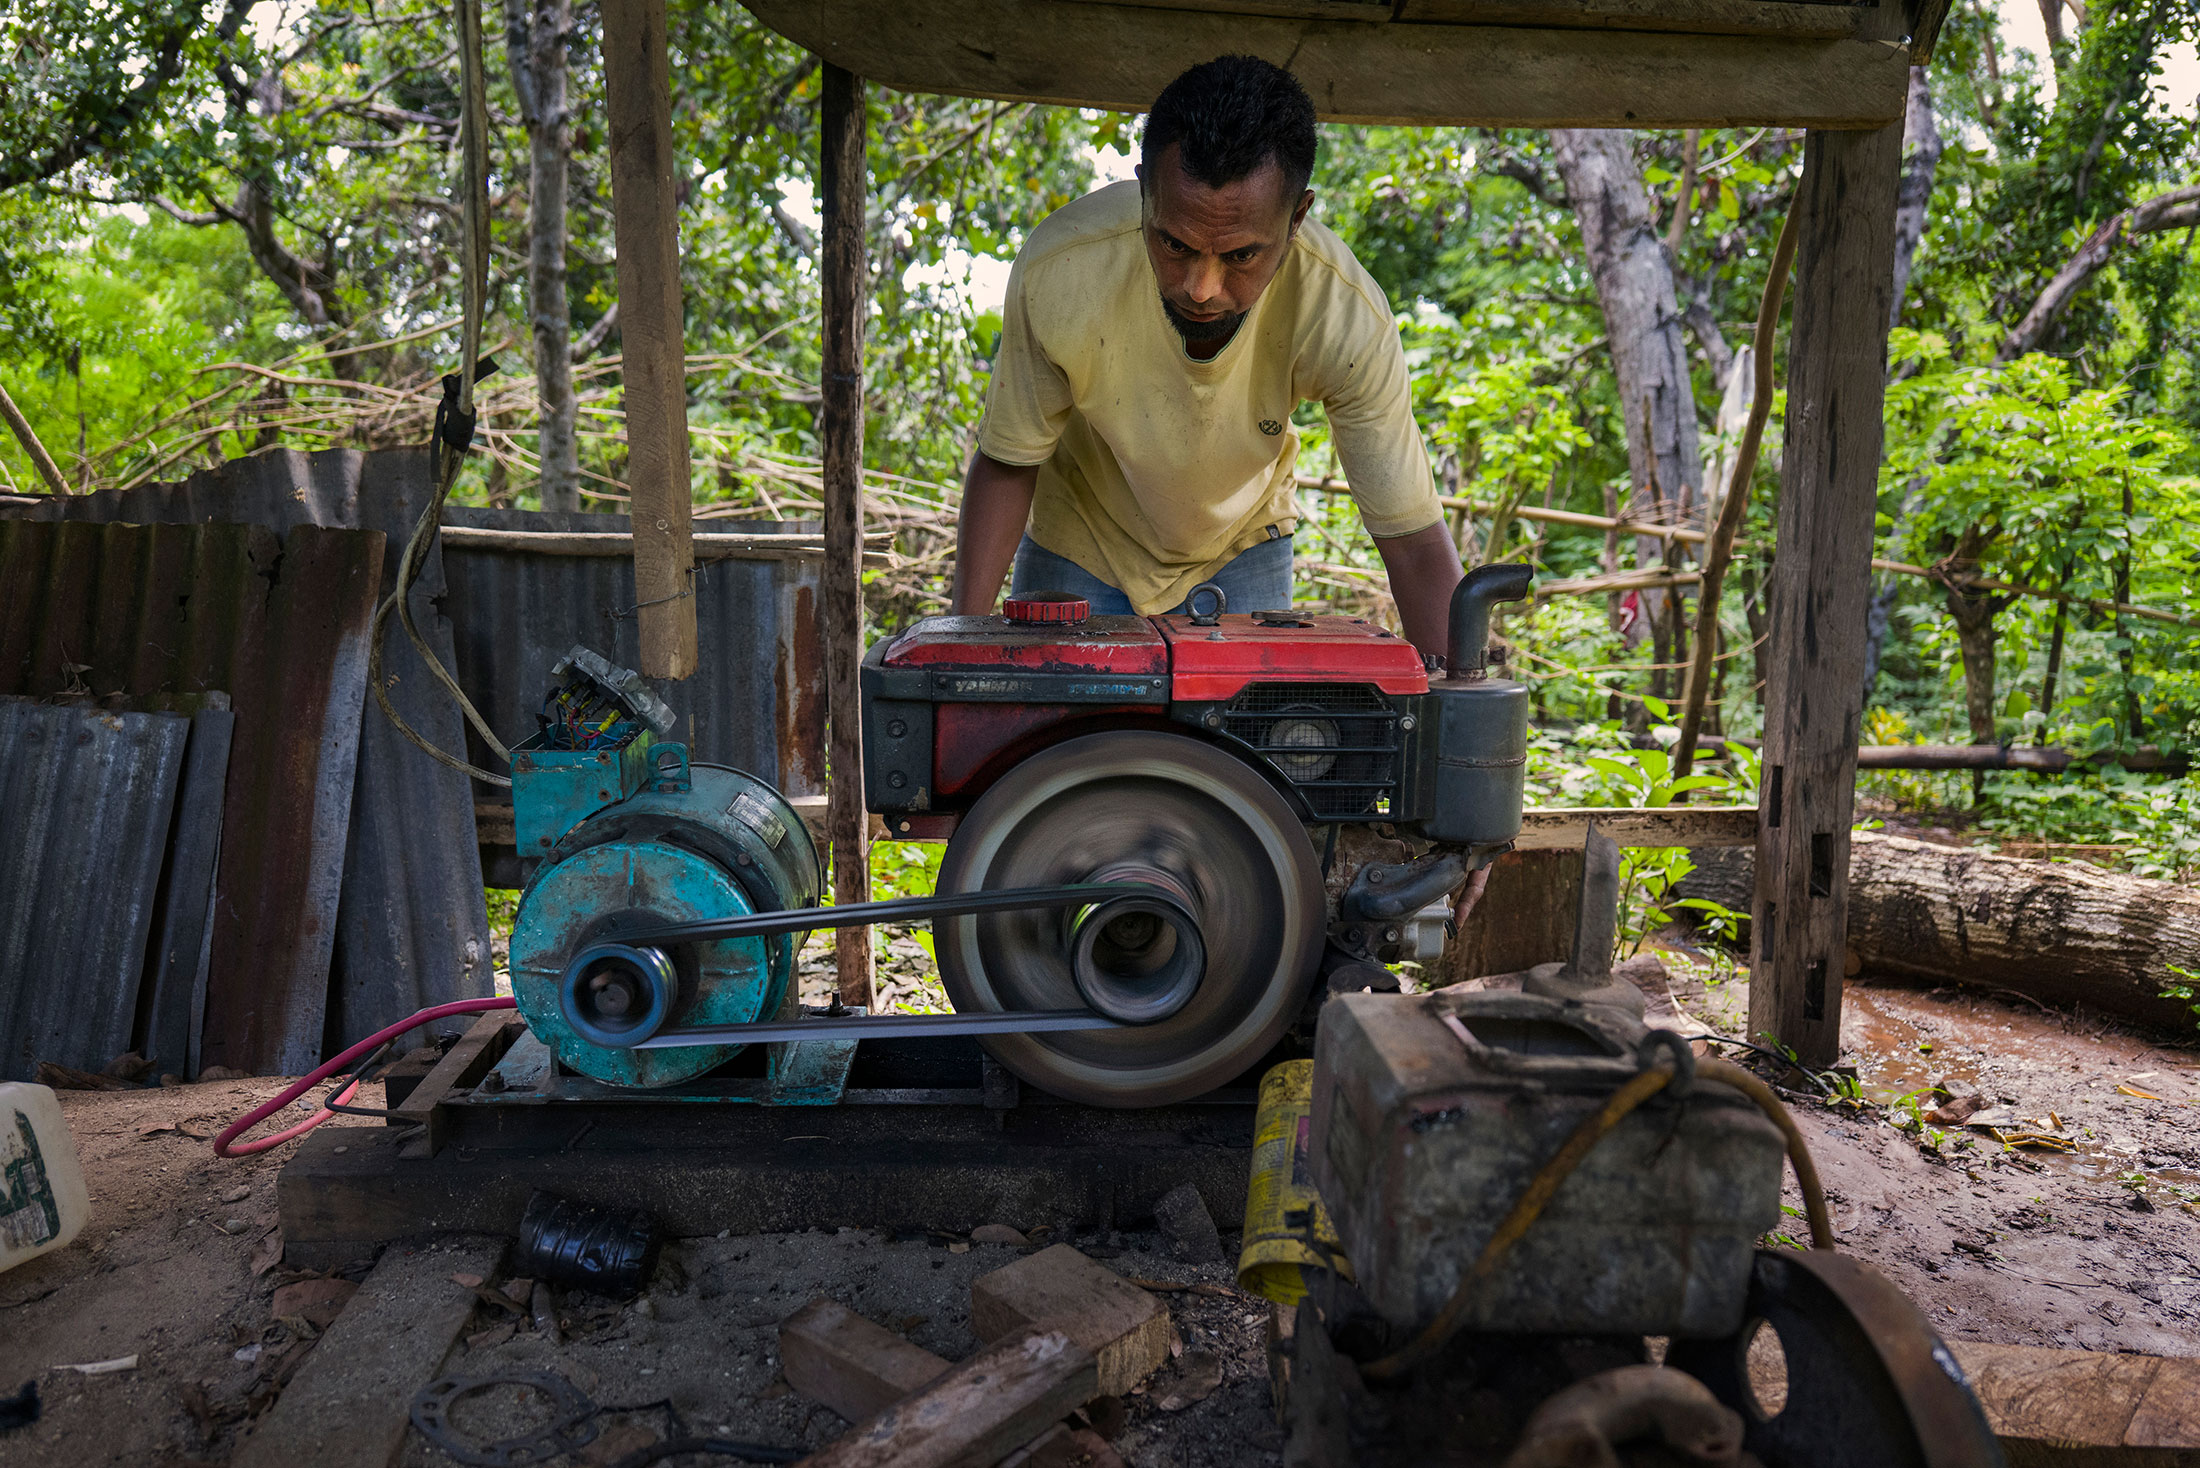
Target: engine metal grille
(1335,743)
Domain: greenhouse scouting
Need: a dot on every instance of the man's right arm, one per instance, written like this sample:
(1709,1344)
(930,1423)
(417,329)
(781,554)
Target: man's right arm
(996,504)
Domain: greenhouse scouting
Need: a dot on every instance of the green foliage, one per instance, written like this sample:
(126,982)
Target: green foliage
(1513,437)
(2024,180)
(1595,765)
(907,869)
(2031,471)
(2183,988)
(2025,459)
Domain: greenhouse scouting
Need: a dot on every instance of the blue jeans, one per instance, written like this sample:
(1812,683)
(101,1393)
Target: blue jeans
(1257,580)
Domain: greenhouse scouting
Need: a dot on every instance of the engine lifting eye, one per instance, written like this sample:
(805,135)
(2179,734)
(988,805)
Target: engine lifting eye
(1301,733)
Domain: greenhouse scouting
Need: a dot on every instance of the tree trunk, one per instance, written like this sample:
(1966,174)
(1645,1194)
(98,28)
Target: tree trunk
(535,35)
(2059,932)
(2135,723)
(1920,161)
(1634,279)
(2054,670)
(2051,23)
(1974,619)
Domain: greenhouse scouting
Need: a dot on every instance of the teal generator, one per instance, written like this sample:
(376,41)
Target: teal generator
(627,834)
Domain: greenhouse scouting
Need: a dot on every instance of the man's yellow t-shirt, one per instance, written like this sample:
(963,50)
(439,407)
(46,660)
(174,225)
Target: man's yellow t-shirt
(1155,468)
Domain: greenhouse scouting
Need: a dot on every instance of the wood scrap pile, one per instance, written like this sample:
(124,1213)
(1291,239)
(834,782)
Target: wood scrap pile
(1066,1340)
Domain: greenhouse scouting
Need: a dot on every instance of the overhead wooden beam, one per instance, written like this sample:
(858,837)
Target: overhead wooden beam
(844,179)
(1695,17)
(1821,585)
(646,218)
(1119,56)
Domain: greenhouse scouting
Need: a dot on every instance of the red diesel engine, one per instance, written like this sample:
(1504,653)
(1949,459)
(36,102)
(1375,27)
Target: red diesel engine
(1338,714)
(1202,754)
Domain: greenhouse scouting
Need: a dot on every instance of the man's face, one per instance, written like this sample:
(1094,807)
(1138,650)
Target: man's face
(1215,250)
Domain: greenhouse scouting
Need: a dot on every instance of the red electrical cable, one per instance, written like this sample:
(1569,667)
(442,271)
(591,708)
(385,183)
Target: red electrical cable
(297,1088)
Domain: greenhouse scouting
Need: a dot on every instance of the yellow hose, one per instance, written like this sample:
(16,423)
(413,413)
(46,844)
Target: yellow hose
(1554,1173)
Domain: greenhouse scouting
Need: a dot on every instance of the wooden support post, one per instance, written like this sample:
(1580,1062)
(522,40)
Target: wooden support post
(645,207)
(840,435)
(1821,583)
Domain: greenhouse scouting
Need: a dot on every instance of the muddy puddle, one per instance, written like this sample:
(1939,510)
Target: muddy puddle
(2040,1074)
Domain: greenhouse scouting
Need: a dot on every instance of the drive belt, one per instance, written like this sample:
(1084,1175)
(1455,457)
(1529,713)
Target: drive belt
(854,1026)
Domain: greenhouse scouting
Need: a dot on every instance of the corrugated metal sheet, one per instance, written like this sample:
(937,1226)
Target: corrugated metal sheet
(86,800)
(173,1004)
(166,614)
(412,929)
(758,700)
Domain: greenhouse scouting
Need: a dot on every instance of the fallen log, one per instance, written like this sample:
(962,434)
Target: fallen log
(2057,932)
(2045,759)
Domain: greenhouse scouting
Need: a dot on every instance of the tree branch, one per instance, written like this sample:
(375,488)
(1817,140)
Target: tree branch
(797,233)
(2174,210)
(186,216)
(588,342)
(1531,178)
(1703,324)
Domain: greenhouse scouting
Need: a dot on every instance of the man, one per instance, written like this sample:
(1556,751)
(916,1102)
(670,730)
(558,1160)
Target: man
(1156,337)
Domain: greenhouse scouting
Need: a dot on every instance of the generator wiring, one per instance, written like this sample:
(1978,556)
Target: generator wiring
(227,1145)
(369,1071)
(1545,1184)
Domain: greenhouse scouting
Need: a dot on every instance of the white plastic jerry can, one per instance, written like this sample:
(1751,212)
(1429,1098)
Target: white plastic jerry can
(43,1202)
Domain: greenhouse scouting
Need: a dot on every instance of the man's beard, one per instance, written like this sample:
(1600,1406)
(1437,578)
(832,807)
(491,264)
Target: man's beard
(1221,329)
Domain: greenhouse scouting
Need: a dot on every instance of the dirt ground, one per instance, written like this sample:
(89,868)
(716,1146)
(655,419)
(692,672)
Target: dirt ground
(2093,1247)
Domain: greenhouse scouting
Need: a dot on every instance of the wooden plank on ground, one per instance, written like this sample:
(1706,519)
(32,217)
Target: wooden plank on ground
(2079,1409)
(2167,1423)
(855,1366)
(1125,1328)
(347,1406)
(978,1413)
(463,1064)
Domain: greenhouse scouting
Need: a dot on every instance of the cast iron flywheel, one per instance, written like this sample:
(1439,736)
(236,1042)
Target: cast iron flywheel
(1137,806)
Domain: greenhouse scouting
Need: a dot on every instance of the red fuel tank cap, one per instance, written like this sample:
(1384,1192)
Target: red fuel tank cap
(1043,607)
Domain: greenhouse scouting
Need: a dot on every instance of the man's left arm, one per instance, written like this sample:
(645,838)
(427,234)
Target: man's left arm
(1423,567)
(1369,402)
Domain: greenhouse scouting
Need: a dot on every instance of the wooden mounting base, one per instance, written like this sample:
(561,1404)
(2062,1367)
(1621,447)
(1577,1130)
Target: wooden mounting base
(917,1156)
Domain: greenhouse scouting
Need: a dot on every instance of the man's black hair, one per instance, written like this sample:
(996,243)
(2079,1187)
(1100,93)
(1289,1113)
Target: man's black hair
(1231,115)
